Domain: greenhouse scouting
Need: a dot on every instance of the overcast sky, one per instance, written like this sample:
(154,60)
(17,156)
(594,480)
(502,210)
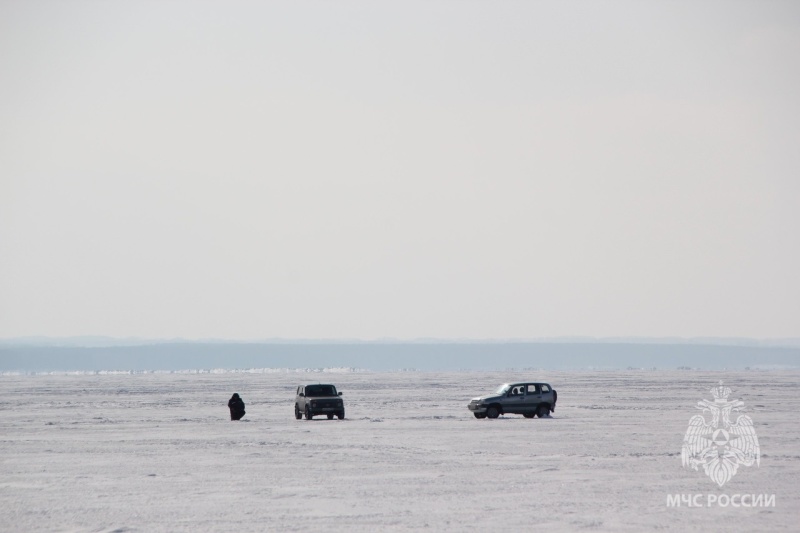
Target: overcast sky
(403,169)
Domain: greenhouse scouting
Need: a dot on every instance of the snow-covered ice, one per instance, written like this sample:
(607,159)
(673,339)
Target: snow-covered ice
(157,452)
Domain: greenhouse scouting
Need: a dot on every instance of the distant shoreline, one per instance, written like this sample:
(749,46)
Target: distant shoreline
(383,356)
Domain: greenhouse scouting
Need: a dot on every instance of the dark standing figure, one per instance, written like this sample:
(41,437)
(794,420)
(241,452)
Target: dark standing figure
(236,405)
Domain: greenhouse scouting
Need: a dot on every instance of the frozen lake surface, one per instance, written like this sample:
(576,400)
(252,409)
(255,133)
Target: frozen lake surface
(157,452)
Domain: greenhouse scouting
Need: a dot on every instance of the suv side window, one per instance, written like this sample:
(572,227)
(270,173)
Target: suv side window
(545,388)
(532,389)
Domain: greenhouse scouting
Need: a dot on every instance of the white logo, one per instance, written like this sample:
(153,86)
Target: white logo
(718,445)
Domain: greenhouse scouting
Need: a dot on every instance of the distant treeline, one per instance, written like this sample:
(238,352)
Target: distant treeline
(388,356)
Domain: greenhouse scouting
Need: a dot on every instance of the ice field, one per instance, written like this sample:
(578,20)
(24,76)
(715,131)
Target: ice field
(157,452)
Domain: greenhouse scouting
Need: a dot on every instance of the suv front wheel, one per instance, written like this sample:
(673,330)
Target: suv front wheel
(493,412)
(309,416)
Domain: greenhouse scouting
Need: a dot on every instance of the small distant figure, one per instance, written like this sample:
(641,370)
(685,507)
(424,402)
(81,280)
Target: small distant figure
(236,405)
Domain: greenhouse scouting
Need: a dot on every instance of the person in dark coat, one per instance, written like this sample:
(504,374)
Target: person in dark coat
(236,405)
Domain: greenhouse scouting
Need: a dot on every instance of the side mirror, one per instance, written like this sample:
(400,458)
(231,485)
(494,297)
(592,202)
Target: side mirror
(301,394)
(340,394)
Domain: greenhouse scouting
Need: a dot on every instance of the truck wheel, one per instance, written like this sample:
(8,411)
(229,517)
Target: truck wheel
(309,416)
(340,415)
(330,416)
(297,414)
(542,411)
(479,415)
(493,412)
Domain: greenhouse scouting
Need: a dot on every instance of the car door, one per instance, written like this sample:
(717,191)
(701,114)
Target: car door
(533,397)
(514,401)
(301,400)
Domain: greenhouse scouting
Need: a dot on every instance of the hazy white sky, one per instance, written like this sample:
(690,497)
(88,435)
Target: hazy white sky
(399,169)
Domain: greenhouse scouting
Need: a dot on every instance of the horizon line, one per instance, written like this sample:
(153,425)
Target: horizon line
(109,341)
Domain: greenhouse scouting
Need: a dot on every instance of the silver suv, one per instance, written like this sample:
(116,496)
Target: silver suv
(526,399)
(318,399)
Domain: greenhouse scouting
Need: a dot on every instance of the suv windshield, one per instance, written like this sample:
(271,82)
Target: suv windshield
(502,389)
(320,390)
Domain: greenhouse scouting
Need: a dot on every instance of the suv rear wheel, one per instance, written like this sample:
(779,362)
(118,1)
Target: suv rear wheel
(542,411)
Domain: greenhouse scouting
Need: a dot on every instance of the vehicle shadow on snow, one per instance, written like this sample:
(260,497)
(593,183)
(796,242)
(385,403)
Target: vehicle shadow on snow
(513,417)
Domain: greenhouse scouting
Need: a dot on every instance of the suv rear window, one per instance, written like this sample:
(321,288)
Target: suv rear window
(545,388)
